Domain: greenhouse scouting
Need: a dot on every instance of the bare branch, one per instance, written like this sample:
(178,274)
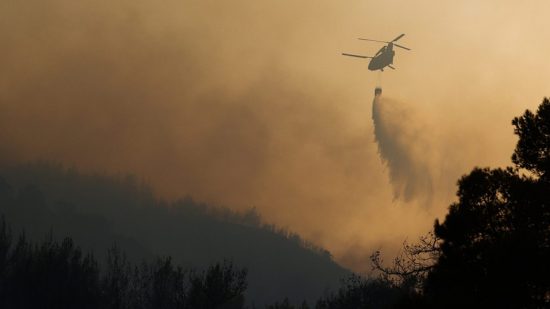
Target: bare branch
(412,265)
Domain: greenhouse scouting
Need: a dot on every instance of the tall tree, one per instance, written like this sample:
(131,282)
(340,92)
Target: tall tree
(533,148)
(222,285)
(495,241)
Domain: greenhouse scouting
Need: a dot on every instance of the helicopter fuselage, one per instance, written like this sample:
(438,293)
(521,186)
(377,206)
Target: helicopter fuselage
(382,59)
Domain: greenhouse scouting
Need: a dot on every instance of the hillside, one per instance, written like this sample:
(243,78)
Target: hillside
(100,211)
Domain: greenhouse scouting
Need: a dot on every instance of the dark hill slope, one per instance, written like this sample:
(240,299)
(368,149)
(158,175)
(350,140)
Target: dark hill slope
(98,211)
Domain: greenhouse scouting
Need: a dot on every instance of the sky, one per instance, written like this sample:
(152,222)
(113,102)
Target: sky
(250,104)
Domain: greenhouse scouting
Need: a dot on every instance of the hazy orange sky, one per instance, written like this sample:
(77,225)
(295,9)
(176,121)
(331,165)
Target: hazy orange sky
(249,103)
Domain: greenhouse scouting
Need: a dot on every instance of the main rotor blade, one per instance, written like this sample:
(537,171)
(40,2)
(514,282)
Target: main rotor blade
(397,38)
(372,40)
(401,46)
(391,67)
(358,56)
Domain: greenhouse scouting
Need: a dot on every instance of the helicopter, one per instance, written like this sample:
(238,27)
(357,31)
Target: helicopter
(384,57)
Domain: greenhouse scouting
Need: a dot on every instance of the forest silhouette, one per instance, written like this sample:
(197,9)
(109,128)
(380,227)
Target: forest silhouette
(98,211)
(490,251)
(58,275)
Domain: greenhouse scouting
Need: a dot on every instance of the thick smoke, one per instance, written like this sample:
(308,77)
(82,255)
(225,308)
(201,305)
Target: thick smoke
(403,148)
(249,103)
(188,103)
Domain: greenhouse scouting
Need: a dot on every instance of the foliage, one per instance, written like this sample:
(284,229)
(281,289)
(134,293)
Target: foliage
(358,292)
(495,241)
(58,275)
(492,249)
(410,268)
(98,210)
(533,148)
(50,275)
(219,286)
(285,304)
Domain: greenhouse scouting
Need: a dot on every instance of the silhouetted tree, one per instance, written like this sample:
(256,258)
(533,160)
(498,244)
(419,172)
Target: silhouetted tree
(5,246)
(410,268)
(533,148)
(100,210)
(358,292)
(220,286)
(116,281)
(285,304)
(52,275)
(495,241)
(167,285)
(58,275)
